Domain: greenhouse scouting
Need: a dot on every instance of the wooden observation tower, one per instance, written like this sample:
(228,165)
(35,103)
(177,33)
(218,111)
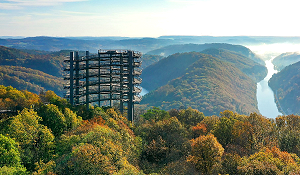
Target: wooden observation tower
(106,77)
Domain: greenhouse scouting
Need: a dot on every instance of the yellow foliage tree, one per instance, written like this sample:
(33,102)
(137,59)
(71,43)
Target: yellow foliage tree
(206,152)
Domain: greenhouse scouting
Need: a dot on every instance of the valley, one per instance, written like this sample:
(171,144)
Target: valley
(197,98)
(167,60)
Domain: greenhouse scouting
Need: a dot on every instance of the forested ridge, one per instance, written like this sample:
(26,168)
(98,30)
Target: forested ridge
(285,59)
(49,136)
(209,85)
(32,80)
(254,70)
(48,62)
(174,66)
(181,48)
(286,87)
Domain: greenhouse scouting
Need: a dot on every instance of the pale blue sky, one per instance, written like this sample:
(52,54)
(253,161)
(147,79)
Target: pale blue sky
(149,18)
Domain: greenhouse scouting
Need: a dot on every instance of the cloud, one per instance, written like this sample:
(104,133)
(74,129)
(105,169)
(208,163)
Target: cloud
(9,6)
(19,4)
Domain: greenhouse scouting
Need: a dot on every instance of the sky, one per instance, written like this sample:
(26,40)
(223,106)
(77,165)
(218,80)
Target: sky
(149,18)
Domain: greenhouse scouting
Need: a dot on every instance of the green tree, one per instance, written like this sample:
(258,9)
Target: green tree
(53,118)
(9,153)
(72,120)
(289,133)
(156,114)
(190,117)
(224,131)
(35,139)
(230,162)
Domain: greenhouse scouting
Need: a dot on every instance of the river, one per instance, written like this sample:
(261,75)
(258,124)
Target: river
(144,92)
(265,96)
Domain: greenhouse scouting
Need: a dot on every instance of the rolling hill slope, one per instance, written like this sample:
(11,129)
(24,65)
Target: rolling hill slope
(286,87)
(29,79)
(285,59)
(209,85)
(32,70)
(173,66)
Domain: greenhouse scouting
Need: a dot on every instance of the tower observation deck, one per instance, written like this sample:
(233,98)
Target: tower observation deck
(106,77)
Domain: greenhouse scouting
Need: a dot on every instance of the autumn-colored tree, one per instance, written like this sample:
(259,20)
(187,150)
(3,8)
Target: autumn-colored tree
(264,132)
(166,142)
(243,133)
(100,150)
(269,161)
(13,99)
(206,152)
(52,98)
(230,162)
(88,159)
(156,151)
(210,122)
(199,130)
(110,140)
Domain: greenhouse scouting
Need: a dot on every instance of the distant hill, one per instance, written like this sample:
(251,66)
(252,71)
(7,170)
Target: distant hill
(29,79)
(147,60)
(48,62)
(140,44)
(92,44)
(286,87)
(160,73)
(286,59)
(32,70)
(174,66)
(209,85)
(169,50)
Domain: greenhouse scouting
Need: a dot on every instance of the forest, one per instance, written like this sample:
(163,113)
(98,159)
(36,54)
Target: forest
(285,85)
(43,134)
(211,82)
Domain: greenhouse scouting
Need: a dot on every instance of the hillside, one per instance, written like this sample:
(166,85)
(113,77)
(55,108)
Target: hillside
(174,66)
(286,85)
(32,70)
(254,70)
(147,60)
(209,85)
(159,73)
(48,62)
(285,59)
(29,79)
(169,50)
